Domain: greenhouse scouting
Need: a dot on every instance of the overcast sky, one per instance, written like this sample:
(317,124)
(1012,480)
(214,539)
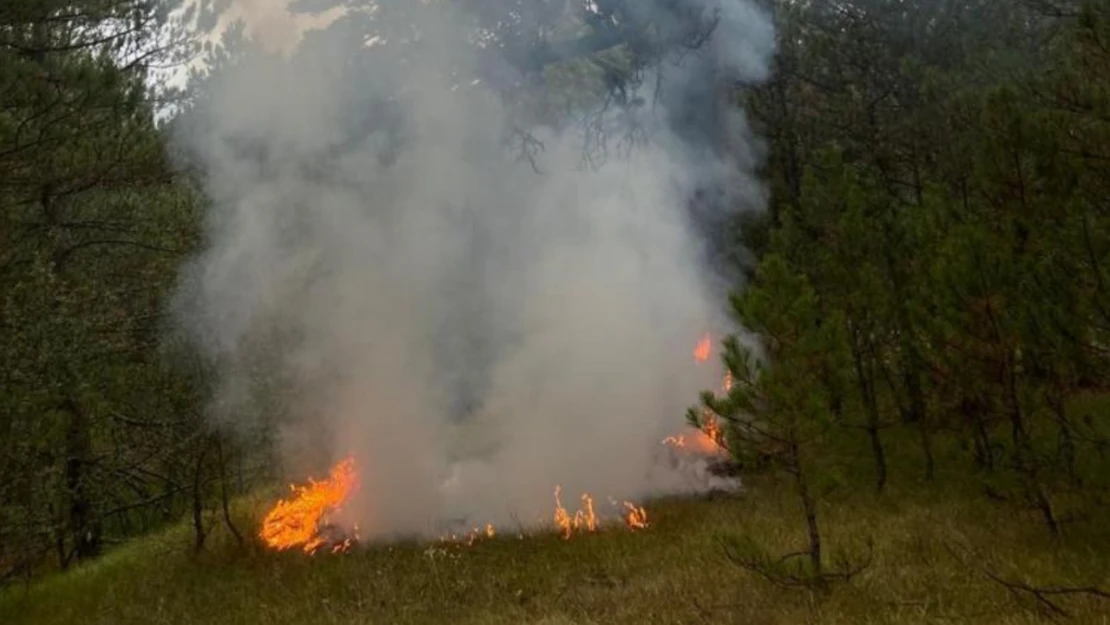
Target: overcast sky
(271,24)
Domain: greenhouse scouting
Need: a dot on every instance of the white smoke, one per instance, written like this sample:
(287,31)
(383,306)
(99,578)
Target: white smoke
(473,328)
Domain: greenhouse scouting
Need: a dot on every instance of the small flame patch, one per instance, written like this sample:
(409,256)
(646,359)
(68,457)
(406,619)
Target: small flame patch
(710,438)
(635,517)
(703,349)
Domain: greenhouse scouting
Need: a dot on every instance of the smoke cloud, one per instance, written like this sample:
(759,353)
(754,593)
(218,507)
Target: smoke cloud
(389,278)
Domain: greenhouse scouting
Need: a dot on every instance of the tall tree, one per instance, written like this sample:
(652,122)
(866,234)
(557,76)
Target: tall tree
(91,228)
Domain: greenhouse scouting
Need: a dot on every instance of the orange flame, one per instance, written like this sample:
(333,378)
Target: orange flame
(635,517)
(562,519)
(711,424)
(712,429)
(474,535)
(296,521)
(703,349)
(710,438)
(587,516)
(583,519)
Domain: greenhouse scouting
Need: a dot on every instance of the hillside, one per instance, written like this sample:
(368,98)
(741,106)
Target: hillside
(675,572)
(470,254)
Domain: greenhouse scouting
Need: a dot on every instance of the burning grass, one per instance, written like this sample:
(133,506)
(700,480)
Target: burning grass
(302,520)
(676,572)
(612,572)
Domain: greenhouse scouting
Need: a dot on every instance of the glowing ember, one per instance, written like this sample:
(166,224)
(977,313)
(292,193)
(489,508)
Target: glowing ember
(703,349)
(297,521)
(706,441)
(635,517)
(473,536)
(342,547)
(678,442)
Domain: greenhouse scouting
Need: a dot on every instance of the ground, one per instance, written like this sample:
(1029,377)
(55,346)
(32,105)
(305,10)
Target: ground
(932,557)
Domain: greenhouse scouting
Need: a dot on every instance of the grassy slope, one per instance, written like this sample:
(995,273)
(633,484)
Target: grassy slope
(674,573)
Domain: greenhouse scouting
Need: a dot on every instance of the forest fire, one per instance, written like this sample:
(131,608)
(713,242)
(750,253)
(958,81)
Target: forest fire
(301,520)
(710,438)
(582,520)
(585,520)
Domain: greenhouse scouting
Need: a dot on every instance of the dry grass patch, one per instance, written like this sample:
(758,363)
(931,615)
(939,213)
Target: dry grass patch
(931,561)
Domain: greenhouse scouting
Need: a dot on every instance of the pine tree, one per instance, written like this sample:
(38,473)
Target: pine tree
(777,405)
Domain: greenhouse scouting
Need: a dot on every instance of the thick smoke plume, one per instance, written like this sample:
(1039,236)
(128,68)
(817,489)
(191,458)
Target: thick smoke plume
(385,273)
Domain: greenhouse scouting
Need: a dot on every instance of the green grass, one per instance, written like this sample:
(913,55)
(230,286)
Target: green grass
(676,572)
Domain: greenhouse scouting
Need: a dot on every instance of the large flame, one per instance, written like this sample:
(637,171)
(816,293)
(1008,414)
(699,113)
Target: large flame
(297,521)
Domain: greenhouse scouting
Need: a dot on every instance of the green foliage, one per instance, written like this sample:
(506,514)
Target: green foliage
(782,309)
(100,429)
(931,300)
(934,285)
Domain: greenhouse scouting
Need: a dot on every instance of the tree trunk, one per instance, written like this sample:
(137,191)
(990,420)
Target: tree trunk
(199,534)
(224,496)
(60,551)
(810,509)
(836,394)
(917,413)
(926,438)
(984,447)
(1025,456)
(1067,442)
(871,407)
(84,526)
